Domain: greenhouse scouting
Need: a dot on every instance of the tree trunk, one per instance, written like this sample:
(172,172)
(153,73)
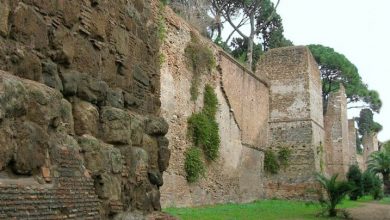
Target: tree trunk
(218,24)
(386,182)
(250,41)
(332,212)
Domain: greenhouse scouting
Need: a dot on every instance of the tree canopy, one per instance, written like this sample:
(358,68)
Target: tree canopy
(366,122)
(335,68)
(263,21)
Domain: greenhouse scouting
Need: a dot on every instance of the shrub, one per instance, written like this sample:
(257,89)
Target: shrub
(194,165)
(372,185)
(354,177)
(335,190)
(203,126)
(201,59)
(271,163)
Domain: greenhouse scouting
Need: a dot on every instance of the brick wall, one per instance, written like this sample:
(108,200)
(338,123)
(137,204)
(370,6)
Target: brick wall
(80,134)
(295,119)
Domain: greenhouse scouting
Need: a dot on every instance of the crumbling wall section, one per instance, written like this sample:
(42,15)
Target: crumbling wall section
(236,176)
(352,141)
(295,119)
(79,132)
(370,145)
(337,135)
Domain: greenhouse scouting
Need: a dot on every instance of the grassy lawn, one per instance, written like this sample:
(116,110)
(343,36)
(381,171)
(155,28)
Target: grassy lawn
(385,201)
(266,209)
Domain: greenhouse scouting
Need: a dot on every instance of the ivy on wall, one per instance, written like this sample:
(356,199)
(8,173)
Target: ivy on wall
(203,128)
(193,164)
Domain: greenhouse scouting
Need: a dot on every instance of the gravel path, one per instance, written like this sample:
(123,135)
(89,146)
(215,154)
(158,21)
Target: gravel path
(371,211)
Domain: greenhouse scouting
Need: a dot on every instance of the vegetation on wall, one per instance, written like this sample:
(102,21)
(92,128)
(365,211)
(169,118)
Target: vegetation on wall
(201,60)
(194,165)
(273,162)
(284,156)
(203,128)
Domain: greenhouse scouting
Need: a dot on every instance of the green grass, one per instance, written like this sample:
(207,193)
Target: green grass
(266,209)
(385,200)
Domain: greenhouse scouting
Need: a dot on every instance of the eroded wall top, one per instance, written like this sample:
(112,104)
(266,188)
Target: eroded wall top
(295,84)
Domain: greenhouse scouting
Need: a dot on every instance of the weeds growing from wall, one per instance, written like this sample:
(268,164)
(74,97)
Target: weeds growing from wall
(274,161)
(271,164)
(203,126)
(204,129)
(284,156)
(194,165)
(200,60)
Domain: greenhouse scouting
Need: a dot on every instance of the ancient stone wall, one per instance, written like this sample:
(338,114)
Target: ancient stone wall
(370,144)
(295,119)
(236,176)
(337,135)
(79,132)
(352,142)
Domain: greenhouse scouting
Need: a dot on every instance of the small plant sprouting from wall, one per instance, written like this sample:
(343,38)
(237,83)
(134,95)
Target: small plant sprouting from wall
(284,156)
(200,60)
(194,165)
(161,25)
(203,127)
(273,162)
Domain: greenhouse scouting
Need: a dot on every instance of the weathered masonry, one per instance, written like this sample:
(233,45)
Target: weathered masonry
(80,136)
(296,119)
(278,106)
(88,91)
(242,117)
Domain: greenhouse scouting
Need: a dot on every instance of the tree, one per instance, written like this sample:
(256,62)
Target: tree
(366,123)
(372,185)
(271,30)
(336,192)
(239,51)
(386,146)
(250,12)
(379,162)
(335,68)
(354,177)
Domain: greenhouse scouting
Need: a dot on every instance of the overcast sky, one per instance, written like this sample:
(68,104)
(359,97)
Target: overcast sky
(359,29)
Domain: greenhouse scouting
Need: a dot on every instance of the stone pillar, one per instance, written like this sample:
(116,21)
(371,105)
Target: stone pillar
(352,142)
(296,119)
(336,134)
(370,145)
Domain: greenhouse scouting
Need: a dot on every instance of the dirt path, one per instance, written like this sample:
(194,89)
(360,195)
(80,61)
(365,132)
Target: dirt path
(370,211)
